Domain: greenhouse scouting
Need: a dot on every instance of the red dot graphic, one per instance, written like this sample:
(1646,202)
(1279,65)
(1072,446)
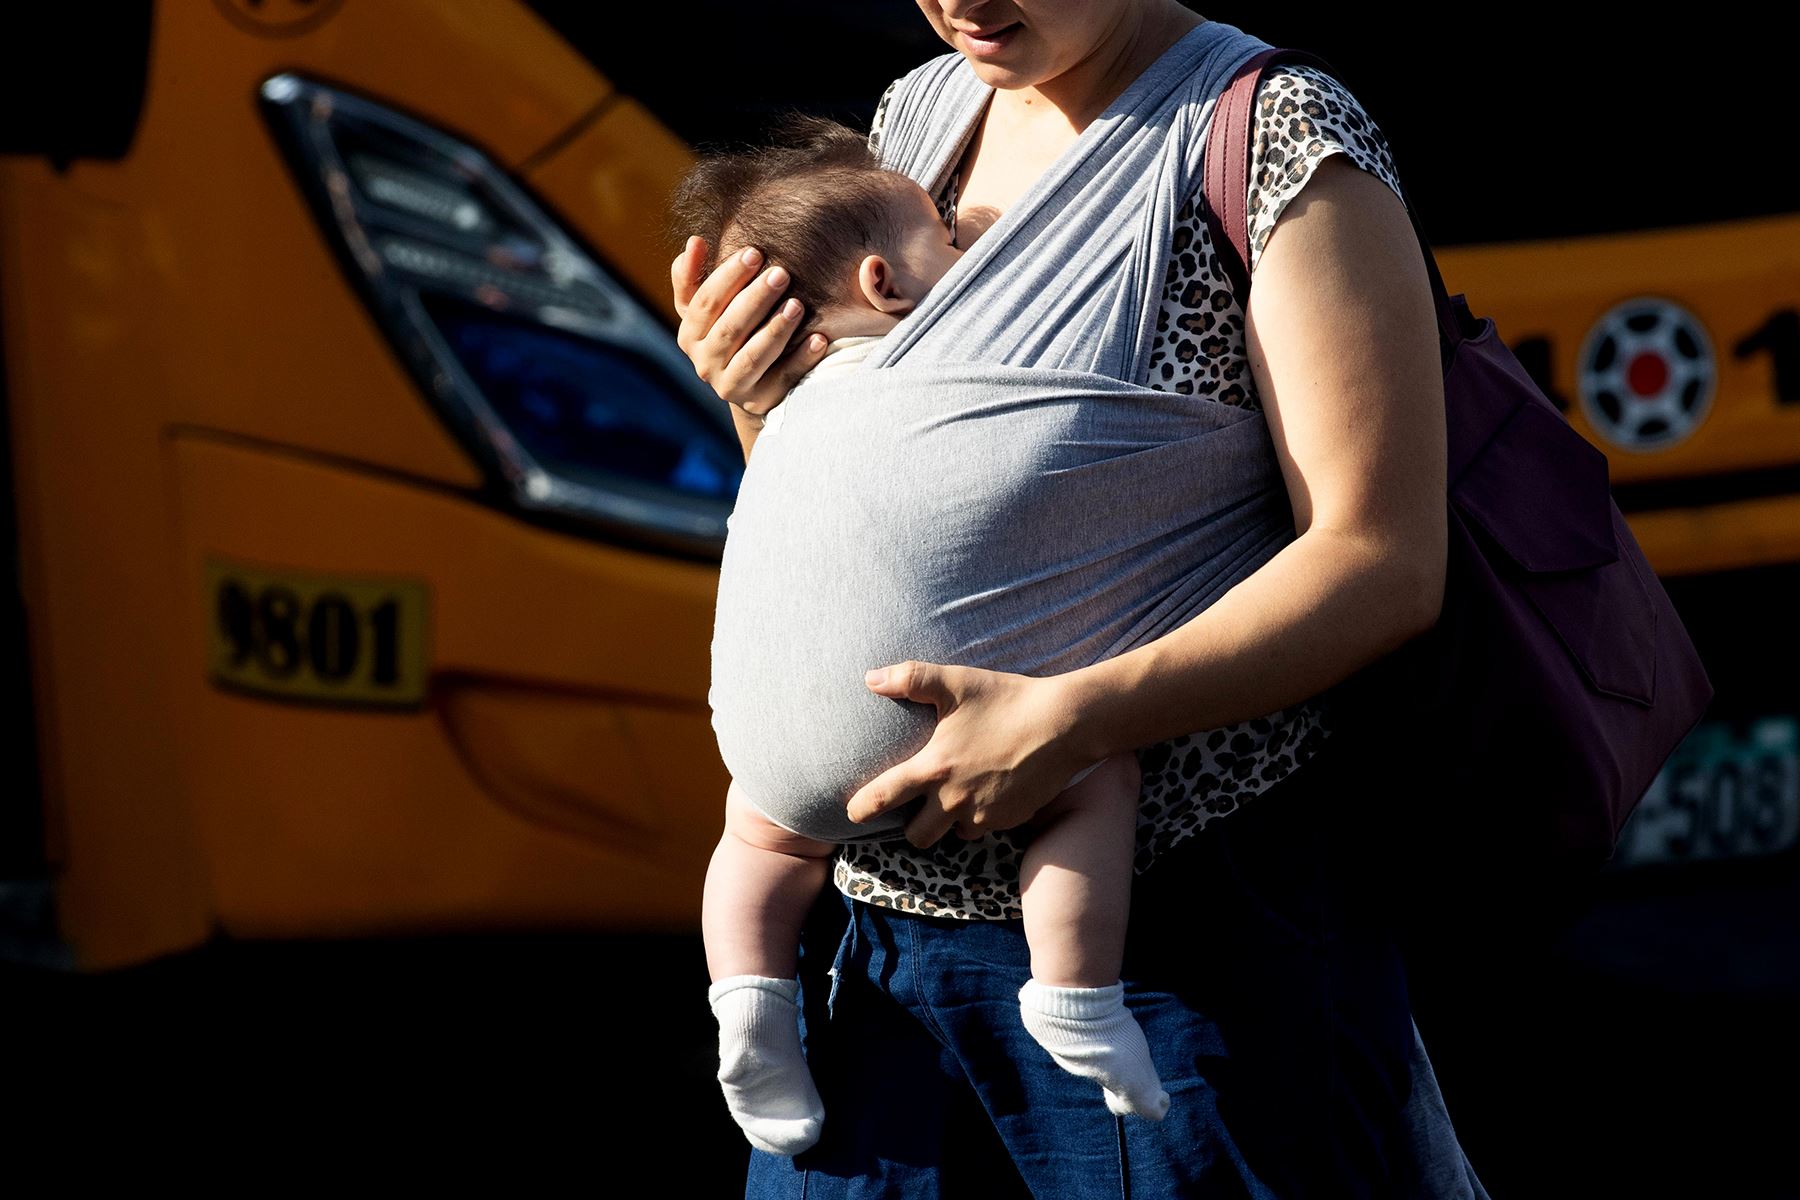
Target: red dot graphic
(1648,374)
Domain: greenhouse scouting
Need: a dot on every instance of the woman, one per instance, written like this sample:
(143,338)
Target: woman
(1263,963)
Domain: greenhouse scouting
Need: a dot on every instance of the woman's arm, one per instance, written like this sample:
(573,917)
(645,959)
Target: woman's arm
(748,426)
(1341,333)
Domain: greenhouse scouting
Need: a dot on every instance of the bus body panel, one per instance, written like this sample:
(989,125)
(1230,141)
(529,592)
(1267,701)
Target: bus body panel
(181,306)
(1736,278)
(558,773)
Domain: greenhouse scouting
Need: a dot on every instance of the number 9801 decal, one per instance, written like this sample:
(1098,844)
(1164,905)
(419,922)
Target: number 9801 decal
(323,638)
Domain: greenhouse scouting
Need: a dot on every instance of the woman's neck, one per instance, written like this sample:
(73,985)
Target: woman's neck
(1082,92)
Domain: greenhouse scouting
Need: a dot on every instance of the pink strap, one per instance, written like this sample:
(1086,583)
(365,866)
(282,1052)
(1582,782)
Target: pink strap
(1226,187)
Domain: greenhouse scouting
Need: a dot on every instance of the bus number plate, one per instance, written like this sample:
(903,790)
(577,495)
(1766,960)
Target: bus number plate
(341,639)
(1726,792)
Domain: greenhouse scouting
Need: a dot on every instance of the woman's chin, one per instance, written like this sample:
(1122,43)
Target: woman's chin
(1008,77)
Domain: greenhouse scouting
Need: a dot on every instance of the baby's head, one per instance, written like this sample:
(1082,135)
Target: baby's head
(861,243)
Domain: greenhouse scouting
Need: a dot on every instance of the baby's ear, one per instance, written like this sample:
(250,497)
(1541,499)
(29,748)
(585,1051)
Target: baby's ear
(880,286)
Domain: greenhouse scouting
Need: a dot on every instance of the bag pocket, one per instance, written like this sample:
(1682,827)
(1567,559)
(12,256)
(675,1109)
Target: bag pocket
(1541,493)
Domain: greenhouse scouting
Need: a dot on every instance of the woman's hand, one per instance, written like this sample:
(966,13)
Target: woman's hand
(1001,751)
(745,364)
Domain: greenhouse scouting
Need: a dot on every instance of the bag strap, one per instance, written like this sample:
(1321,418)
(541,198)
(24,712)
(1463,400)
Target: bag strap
(1226,187)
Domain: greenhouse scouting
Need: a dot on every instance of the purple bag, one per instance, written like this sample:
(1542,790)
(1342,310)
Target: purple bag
(1559,677)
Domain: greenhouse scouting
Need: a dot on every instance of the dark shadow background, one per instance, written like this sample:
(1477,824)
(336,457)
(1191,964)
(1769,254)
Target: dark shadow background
(1522,123)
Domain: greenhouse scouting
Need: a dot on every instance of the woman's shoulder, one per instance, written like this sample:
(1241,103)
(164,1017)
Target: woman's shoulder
(931,72)
(1303,115)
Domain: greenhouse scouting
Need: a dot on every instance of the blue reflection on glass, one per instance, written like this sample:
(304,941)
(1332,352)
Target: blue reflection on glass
(585,408)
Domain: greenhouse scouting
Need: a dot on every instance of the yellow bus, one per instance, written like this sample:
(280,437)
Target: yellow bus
(367,516)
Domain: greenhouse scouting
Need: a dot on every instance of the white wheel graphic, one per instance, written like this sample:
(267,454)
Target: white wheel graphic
(1646,373)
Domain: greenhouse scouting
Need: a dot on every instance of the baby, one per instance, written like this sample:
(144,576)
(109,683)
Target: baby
(862,245)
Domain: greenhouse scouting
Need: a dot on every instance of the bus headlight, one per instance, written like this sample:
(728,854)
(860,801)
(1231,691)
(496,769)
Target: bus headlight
(572,396)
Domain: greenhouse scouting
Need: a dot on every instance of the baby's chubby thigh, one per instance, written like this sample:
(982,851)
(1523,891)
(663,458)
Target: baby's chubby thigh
(1110,789)
(748,824)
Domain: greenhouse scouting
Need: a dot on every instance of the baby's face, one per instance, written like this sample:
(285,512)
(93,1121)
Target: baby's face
(925,252)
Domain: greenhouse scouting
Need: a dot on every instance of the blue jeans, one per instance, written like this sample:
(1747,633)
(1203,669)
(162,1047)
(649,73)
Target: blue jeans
(1261,963)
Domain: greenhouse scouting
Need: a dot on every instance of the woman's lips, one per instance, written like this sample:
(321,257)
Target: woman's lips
(990,42)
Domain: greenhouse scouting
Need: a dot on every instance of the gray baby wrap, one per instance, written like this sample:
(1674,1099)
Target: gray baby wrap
(993,486)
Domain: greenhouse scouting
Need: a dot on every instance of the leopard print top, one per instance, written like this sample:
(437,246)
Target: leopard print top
(1302,115)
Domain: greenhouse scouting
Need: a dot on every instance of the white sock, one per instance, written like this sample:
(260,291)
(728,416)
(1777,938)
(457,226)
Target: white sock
(762,1069)
(1090,1033)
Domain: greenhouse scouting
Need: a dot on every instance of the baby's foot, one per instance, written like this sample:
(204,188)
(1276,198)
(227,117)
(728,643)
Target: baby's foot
(762,1069)
(1089,1032)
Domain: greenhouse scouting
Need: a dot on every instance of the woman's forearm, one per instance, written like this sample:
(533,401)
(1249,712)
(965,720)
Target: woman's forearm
(1321,609)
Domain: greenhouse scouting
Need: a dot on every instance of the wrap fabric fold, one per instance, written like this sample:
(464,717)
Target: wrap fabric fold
(994,486)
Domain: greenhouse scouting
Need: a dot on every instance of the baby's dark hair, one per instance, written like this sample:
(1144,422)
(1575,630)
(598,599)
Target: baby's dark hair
(813,201)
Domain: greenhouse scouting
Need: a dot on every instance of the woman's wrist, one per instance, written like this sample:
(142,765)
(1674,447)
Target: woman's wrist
(748,426)
(1088,696)
(1322,608)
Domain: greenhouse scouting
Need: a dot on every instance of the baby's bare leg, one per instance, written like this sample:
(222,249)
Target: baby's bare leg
(1076,892)
(760,885)
(1075,877)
